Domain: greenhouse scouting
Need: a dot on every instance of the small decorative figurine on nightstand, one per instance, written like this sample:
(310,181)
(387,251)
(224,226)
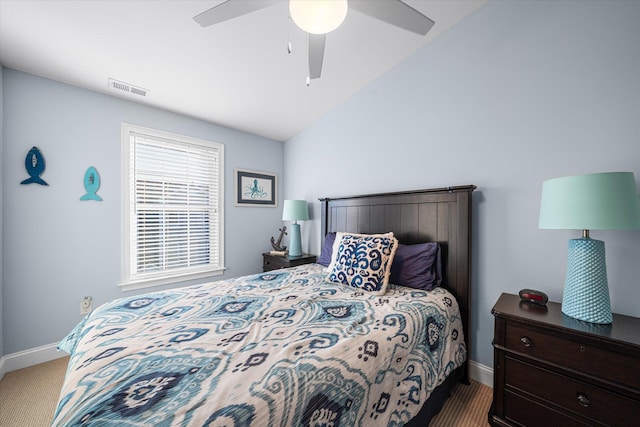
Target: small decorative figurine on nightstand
(276,244)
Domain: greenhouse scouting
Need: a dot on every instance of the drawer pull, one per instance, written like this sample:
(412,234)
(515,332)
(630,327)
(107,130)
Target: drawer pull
(583,401)
(525,341)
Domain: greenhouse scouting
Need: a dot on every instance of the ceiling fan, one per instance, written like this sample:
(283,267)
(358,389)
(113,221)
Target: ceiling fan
(318,17)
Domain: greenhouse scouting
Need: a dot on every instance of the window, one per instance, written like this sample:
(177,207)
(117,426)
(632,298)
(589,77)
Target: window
(172,208)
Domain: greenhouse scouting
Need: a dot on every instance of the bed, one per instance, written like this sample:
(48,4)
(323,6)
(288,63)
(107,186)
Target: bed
(289,347)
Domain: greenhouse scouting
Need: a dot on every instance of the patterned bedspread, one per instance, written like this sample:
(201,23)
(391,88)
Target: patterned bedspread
(283,348)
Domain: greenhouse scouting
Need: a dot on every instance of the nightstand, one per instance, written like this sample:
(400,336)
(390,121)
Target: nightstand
(274,262)
(553,370)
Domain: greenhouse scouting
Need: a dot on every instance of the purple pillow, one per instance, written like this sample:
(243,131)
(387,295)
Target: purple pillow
(327,249)
(417,266)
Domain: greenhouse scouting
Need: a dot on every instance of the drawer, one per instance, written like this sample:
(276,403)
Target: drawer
(525,412)
(579,356)
(273,263)
(570,394)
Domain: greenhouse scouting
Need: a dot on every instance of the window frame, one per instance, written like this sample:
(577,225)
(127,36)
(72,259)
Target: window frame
(131,280)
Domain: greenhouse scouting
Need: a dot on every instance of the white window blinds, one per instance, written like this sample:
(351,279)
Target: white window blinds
(174,207)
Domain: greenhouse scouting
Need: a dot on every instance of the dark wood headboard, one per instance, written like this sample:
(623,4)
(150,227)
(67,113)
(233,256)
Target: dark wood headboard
(440,215)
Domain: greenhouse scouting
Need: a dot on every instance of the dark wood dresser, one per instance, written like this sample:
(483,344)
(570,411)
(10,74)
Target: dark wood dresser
(553,370)
(274,262)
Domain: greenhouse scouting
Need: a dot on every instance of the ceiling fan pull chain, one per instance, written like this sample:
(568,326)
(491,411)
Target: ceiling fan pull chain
(308,81)
(289,50)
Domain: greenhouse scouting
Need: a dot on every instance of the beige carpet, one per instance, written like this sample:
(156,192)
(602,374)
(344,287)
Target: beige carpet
(468,406)
(28,399)
(28,396)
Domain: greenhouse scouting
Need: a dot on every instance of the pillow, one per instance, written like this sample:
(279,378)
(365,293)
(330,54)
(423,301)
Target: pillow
(363,261)
(417,266)
(327,249)
(336,244)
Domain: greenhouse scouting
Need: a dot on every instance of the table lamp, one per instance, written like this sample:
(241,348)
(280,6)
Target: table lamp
(295,210)
(601,201)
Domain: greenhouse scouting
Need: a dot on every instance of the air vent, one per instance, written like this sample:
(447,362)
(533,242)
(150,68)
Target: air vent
(126,87)
(138,91)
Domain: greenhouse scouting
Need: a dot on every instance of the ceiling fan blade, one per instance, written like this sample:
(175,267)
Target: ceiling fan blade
(316,53)
(395,12)
(230,9)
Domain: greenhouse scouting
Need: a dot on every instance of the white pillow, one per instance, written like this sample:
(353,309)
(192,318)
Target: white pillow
(363,261)
(336,244)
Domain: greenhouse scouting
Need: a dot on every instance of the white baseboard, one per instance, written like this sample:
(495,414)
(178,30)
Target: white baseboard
(23,359)
(481,373)
(30,357)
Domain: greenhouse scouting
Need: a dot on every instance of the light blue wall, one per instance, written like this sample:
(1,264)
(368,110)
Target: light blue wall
(519,92)
(1,210)
(57,248)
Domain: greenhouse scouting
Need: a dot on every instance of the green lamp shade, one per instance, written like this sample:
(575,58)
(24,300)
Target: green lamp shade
(295,210)
(601,201)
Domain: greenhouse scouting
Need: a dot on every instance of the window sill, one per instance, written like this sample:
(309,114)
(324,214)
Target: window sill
(150,282)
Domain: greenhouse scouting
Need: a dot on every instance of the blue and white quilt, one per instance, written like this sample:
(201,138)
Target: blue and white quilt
(282,348)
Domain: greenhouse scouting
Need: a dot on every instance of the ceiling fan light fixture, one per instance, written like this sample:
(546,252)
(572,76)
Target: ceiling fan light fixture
(318,16)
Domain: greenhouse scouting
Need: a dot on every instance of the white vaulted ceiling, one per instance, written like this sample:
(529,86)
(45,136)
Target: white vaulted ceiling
(236,73)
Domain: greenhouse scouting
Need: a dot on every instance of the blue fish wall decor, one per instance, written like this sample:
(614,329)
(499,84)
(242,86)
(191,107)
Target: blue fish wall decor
(91,184)
(34,162)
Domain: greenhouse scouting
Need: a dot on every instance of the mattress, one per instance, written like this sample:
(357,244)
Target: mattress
(281,348)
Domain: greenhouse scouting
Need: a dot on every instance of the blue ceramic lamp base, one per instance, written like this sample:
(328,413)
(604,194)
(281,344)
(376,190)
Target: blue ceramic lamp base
(586,292)
(295,243)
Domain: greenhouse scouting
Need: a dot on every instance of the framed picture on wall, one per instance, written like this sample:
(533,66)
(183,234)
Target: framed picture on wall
(254,188)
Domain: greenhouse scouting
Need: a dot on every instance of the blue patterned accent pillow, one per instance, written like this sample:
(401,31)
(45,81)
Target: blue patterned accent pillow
(363,261)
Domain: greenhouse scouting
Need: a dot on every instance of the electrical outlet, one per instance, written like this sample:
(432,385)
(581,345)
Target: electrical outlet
(85,305)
